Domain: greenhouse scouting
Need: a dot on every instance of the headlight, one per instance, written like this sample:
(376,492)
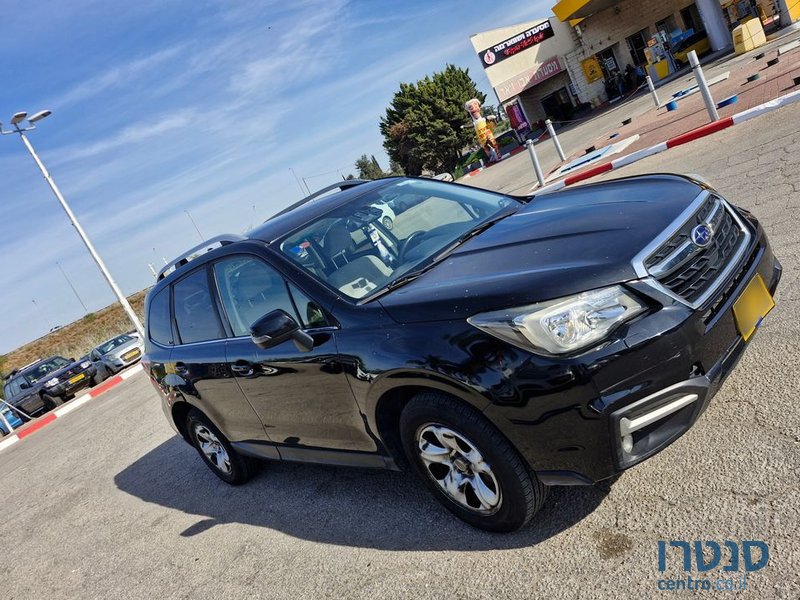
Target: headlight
(51,382)
(562,325)
(86,364)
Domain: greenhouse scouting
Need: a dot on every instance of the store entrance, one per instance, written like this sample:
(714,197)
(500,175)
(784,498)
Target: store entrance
(558,105)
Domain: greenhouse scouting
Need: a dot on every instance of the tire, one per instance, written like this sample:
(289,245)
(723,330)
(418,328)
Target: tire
(101,374)
(388,223)
(51,402)
(224,461)
(491,487)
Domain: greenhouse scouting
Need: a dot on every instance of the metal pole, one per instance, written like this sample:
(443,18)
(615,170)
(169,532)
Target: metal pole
(44,317)
(711,107)
(653,93)
(74,291)
(297,179)
(535,160)
(202,239)
(101,265)
(553,135)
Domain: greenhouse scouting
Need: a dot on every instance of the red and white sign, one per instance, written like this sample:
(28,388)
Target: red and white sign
(533,76)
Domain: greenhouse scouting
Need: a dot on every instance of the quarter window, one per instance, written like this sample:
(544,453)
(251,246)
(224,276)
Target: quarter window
(158,321)
(250,289)
(195,313)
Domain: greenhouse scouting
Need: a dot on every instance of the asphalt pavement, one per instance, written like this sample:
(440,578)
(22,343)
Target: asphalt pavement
(107,502)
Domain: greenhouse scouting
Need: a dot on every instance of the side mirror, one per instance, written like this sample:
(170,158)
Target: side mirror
(23,385)
(72,359)
(275,328)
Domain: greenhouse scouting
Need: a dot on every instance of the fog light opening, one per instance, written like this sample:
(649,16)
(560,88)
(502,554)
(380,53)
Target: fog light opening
(627,443)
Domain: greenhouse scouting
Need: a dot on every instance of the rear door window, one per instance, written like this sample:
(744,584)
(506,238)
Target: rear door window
(195,310)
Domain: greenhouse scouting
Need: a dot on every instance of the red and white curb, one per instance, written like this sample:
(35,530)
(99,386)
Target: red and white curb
(684,138)
(69,407)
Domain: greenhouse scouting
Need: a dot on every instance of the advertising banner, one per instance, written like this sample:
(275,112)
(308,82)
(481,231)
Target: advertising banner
(514,86)
(518,43)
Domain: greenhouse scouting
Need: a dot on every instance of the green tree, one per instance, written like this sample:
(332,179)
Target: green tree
(422,127)
(368,168)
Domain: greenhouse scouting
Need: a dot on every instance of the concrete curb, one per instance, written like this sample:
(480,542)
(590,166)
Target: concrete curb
(679,140)
(74,404)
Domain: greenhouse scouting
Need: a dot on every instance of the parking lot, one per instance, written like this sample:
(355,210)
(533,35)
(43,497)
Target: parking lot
(107,502)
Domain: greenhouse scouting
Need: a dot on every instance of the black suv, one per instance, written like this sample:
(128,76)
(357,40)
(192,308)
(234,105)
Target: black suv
(498,345)
(45,384)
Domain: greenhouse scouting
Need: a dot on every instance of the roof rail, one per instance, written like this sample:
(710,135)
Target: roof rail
(342,186)
(197,251)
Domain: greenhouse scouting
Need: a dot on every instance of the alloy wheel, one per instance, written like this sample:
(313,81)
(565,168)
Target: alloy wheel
(213,449)
(458,468)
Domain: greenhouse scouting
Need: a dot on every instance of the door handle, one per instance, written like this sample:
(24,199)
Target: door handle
(242,368)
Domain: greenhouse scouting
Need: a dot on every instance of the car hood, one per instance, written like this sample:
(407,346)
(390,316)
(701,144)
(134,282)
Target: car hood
(558,244)
(120,350)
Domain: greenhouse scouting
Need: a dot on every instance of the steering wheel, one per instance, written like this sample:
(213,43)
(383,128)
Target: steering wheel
(417,235)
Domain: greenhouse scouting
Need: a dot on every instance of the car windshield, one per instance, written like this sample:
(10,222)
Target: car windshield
(41,370)
(110,345)
(375,239)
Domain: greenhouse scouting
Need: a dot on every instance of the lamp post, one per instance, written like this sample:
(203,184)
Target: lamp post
(202,239)
(16,120)
(74,291)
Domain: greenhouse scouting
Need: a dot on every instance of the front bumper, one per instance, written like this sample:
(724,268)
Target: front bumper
(65,389)
(569,417)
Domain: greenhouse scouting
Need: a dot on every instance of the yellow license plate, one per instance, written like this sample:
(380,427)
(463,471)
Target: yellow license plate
(752,306)
(131,354)
(77,378)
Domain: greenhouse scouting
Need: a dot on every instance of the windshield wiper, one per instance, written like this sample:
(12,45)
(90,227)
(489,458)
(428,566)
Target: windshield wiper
(412,275)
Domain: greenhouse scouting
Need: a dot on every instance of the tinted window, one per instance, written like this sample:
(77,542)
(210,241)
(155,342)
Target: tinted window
(249,289)
(195,313)
(158,321)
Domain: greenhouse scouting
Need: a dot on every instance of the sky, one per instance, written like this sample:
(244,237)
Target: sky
(165,106)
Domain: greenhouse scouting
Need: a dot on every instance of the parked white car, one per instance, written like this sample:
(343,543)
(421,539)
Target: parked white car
(387,214)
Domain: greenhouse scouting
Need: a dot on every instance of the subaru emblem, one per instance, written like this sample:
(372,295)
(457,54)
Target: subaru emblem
(701,235)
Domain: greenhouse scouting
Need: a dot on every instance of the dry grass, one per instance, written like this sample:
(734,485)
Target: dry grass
(78,338)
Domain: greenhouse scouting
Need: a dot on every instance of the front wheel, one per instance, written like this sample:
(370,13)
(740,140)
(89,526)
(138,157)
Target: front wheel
(468,465)
(51,402)
(216,451)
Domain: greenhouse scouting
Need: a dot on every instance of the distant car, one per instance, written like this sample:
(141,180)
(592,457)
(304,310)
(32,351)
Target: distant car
(12,419)
(697,42)
(56,328)
(115,354)
(45,384)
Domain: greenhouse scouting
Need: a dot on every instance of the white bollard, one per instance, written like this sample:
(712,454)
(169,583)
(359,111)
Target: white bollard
(653,91)
(711,107)
(553,135)
(535,160)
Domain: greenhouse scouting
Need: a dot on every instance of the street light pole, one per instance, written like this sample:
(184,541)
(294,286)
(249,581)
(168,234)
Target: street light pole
(202,239)
(15,121)
(74,291)
(44,317)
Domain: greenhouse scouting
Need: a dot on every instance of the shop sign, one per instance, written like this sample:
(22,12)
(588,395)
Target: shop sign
(592,70)
(518,43)
(533,76)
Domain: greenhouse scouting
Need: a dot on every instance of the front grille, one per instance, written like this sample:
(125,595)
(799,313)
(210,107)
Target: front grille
(688,270)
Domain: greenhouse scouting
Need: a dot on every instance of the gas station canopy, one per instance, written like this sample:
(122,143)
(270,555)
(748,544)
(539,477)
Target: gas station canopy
(578,9)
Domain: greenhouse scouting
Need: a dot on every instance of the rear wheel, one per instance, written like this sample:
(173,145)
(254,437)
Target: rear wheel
(216,451)
(468,465)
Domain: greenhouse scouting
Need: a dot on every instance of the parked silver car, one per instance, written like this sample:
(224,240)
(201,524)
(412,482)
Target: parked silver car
(115,354)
